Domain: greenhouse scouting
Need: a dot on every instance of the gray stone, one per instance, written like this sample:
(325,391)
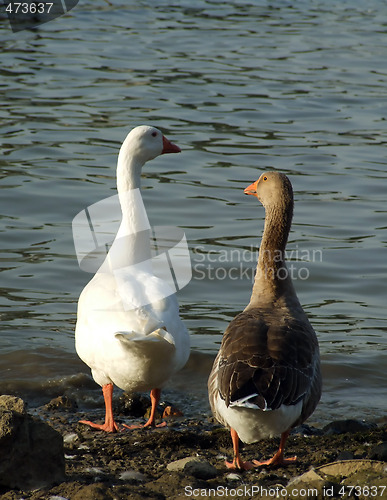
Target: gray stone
(179,465)
(349,425)
(31,452)
(70,438)
(194,466)
(379,452)
(232,476)
(132,476)
(344,455)
(201,469)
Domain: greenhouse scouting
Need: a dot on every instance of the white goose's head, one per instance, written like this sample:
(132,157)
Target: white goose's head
(145,143)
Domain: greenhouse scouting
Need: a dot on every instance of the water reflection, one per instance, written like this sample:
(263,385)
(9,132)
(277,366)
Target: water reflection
(241,88)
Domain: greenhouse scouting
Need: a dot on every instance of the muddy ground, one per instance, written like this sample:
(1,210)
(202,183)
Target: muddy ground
(134,464)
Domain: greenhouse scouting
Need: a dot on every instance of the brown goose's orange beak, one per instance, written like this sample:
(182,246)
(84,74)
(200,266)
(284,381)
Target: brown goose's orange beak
(252,189)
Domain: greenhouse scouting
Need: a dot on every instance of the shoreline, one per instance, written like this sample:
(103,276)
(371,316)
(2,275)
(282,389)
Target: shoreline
(147,463)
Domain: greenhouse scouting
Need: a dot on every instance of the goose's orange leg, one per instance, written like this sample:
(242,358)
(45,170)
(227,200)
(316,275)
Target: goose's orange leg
(237,463)
(155,398)
(278,458)
(109,425)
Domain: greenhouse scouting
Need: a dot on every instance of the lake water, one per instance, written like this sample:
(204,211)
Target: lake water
(241,87)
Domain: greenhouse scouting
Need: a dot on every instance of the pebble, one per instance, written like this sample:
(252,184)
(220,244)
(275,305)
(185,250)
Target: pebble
(70,438)
(132,476)
(94,470)
(194,466)
(233,477)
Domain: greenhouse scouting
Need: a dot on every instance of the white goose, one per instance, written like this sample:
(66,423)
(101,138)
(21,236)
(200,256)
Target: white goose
(266,377)
(128,329)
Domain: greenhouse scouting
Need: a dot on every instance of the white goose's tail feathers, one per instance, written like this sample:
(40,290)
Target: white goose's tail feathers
(158,336)
(153,354)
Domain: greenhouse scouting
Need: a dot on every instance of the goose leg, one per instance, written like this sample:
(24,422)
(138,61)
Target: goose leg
(237,463)
(155,398)
(109,425)
(278,458)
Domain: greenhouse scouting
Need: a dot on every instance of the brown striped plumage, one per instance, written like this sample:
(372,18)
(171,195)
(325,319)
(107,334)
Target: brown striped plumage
(267,355)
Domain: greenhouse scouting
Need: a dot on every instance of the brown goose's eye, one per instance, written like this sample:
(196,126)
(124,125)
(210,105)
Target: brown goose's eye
(265,178)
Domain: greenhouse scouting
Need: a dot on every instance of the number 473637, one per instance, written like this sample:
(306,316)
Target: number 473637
(29,8)
(365,491)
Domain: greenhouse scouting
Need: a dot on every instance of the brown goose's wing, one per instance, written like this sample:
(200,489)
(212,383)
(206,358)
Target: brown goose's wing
(266,362)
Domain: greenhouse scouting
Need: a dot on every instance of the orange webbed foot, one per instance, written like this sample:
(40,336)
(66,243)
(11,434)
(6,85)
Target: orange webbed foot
(238,464)
(275,461)
(145,426)
(107,427)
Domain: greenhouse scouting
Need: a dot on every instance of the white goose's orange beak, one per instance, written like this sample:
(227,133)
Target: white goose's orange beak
(169,147)
(252,189)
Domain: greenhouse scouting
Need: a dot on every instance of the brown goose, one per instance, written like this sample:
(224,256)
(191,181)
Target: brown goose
(266,377)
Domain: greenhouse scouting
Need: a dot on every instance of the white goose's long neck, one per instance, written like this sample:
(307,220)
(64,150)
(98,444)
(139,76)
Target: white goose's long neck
(132,243)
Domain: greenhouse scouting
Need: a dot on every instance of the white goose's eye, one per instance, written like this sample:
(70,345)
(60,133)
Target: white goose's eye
(154,133)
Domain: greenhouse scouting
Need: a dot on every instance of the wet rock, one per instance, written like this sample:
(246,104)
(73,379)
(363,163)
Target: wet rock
(158,413)
(201,469)
(12,403)
(62,403)
(349,425)
(379,452)
(306,430)
(31,452)
(194,466)
(344,455)
(171,411)
(132,405)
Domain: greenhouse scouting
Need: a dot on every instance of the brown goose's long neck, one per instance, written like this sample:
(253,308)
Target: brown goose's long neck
(272,276)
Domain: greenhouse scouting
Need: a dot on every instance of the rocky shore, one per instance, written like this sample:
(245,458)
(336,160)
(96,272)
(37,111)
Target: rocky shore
(185,459)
